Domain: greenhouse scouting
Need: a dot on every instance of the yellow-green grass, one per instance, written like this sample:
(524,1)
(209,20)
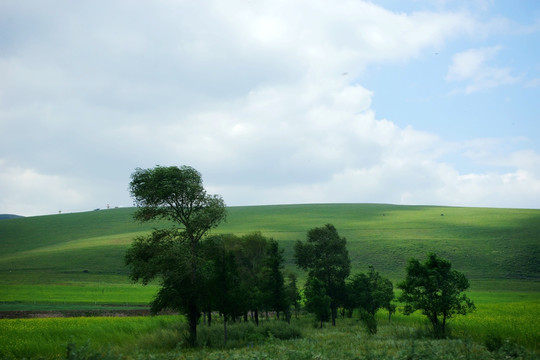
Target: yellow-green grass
(48,337)
(507,314)
(158,338)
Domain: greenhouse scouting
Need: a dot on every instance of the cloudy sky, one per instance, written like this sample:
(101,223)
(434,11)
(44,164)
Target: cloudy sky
(274,102)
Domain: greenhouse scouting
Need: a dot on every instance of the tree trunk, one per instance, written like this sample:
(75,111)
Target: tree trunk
(210,318)
(193,317)
(257,317)
(225,335)
(334,314)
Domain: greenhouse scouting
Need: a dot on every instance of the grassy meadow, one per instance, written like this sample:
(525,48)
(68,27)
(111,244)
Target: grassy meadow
(162,337)
(72,261)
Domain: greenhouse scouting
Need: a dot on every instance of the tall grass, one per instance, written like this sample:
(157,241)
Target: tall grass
(161,338)
(28,338)
(506,315)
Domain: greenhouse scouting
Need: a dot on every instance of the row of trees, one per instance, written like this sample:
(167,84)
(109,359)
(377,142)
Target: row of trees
(328,287)
(238,276)
(432,287)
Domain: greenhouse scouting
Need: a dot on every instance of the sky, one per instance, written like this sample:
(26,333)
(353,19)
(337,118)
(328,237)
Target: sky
(420,102)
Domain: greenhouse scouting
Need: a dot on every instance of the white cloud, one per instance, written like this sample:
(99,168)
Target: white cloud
(249,93)
(470,66)
(25,191)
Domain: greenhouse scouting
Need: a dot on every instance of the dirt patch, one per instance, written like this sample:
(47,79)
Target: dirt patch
(73,313)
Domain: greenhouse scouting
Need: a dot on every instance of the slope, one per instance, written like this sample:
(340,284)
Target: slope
(486,244)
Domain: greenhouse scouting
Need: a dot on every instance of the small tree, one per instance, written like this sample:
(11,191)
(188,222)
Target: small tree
(317,301)
(293,295)
(369,293)
(223,282)
(173,255)
(273,284)
(326,258)
(435,289)
(251,252)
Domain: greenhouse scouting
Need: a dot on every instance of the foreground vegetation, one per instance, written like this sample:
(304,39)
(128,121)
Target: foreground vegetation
(163,337)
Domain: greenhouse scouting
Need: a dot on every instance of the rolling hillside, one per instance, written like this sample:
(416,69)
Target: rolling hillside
(488,245)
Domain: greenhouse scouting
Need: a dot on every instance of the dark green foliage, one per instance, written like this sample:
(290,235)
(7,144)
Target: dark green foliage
(493,342)
(368,319)
(369,293)
(173,255)
(293,295)
(250,252)
(326,258)
(176,194)
(273,284)
(260,267)
(222,285)
(437,290)
(317,301)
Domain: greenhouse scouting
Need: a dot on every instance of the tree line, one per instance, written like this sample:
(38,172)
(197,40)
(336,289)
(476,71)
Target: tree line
(242,277)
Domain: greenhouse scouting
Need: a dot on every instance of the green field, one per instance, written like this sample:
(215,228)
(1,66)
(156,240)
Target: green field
(76,261)
(158,338)
(79,257)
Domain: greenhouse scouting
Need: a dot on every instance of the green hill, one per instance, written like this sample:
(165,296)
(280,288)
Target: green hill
(488,245)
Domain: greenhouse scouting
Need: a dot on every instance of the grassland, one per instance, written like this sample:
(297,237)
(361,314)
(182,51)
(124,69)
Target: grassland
(162,338)
(79,257)
(76,261)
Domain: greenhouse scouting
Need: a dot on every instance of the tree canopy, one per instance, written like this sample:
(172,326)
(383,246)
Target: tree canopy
(173,255)
(437,290)
(326,258)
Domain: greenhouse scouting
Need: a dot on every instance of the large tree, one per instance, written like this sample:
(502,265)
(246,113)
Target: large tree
(435,289)
(326,258)
(173,254)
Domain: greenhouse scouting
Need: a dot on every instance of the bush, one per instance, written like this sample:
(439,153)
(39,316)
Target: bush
(510,350)
(493,342)
(369,321)
(85,352)
(242,334)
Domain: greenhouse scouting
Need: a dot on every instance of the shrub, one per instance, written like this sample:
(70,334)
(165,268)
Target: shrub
(369,321)
(86,352)
(242,334)
(493,342)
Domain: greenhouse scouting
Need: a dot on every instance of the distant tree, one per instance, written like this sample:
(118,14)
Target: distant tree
(293,295)
(326,258)
(173,254)
(369,293)
(223,283)
(317,301)
(250,252)
(435,289)
(273,284)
